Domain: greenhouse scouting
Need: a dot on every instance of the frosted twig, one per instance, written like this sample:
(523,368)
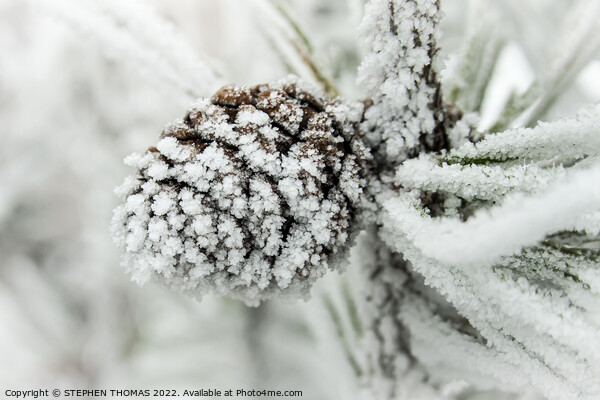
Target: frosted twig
(400,71)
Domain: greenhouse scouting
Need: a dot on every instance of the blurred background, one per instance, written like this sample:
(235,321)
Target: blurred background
(74,101)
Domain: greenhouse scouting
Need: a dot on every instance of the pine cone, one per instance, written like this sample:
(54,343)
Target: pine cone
(256,191)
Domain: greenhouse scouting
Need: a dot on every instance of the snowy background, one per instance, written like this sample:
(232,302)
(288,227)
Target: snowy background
(75,98)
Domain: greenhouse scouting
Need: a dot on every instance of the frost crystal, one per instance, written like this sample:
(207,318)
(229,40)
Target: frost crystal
(255,191)
(400,71)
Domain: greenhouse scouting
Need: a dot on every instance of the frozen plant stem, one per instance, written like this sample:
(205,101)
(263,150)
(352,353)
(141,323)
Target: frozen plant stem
(400,71)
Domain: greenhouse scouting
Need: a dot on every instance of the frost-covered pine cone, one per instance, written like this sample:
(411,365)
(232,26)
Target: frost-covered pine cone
(255,191)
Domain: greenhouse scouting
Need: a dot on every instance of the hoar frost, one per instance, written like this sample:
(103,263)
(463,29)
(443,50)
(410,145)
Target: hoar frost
(483,261)
(256,191)
(400,70)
